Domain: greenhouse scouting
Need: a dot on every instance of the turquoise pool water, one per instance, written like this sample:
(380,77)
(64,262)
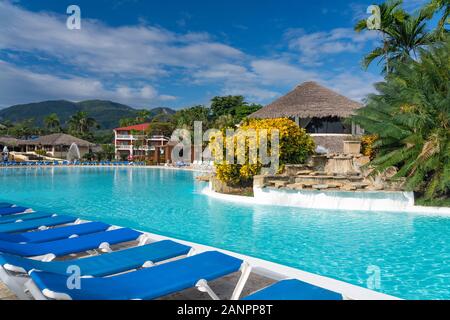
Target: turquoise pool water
(411,251)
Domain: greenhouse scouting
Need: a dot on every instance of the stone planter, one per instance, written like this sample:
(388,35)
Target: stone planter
(352,147)
(221,187)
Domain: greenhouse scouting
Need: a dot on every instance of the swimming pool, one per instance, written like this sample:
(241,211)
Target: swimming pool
(410,250)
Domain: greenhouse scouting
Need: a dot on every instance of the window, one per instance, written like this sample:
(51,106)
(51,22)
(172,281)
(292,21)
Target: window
(328,125)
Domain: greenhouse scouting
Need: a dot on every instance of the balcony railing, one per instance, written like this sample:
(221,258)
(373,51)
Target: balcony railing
(141,137)
(124,147)
(130,147)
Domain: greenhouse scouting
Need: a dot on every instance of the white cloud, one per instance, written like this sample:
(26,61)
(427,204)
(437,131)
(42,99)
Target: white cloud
(277,72)
(260,81)
(314,46)
(23,86)
(128,50)
(354,85)
(252,93)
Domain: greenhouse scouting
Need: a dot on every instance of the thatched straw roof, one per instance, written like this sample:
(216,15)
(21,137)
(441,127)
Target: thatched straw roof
(10,141)
(309,100)
(59,139)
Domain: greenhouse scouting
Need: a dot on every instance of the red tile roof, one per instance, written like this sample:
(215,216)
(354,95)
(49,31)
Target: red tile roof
(137,127)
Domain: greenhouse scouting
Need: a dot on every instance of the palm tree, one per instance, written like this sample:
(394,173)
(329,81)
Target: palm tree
(434,7)
(80,125)
(403,35)
(126,122)
(142,116)
(52,123)
(411,115)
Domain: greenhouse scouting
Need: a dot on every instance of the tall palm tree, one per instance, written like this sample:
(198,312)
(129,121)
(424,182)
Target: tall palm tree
(411,115)
(80,124)
(434,7)
(403,35)
(52,123)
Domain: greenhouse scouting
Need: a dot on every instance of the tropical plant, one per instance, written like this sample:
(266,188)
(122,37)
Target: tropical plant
(142,116)
(234,106)
(107,152)
(225,121)
(295,145)
(52,123)
(411,116)
(403,34)
(23,129)
(80,125)
(185,118)
(126,122)
(432,8)
(225,105)
(160,128)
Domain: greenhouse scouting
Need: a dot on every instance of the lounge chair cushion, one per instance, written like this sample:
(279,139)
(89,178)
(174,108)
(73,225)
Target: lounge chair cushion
(24,216)
(72,245)
(35,224)
(56,233)
(105,264)
(149,283)
(12,210)
(294,290)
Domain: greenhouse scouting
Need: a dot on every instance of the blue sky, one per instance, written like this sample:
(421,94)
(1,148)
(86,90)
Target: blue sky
(178,53)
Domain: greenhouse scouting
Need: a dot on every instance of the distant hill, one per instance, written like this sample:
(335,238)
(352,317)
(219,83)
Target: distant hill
(107,113)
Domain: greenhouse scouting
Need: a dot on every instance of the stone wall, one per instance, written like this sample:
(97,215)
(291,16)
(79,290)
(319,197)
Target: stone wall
(222,187)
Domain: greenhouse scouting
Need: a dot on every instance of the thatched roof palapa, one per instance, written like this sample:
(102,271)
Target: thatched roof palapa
(10,141)
(59,139)
(309,100)
(56,139)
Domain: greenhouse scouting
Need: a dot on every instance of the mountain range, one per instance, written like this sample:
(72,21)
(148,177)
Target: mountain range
(106,113)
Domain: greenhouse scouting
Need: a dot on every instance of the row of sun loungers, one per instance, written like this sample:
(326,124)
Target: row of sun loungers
(39,252)
(69,163)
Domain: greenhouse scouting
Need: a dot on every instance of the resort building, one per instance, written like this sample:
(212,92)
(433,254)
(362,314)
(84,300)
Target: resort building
(56,145)
(133,141)
(321,111)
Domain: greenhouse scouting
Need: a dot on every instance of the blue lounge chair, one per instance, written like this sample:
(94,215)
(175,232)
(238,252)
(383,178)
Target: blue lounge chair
(36,224)
(13,210)
(12,268)
(150,283)
(56,233)
(294,290)
(24,217)
(65,247)
(6,205)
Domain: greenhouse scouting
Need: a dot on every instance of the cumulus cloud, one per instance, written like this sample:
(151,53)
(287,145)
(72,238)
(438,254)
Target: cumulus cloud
(354,85)
(135,50)
(313,46)
(19,85)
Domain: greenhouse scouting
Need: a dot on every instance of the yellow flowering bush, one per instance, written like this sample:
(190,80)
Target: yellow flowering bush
(295,145)
(367,148)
